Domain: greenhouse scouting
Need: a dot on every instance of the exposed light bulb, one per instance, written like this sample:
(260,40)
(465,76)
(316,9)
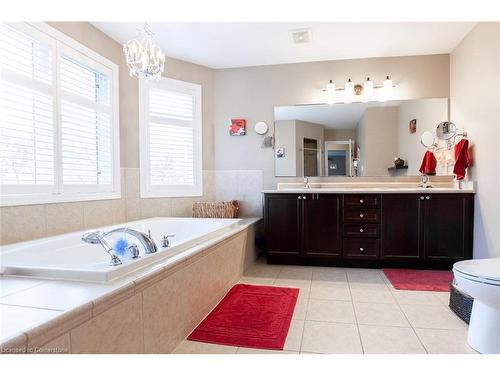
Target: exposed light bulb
(367,89)
(349,91)
(386,89)
(330,92)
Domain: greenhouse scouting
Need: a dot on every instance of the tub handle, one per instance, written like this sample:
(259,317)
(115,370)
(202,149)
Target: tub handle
(165,242)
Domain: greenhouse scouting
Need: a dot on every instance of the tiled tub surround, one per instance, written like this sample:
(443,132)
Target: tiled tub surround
(151,311)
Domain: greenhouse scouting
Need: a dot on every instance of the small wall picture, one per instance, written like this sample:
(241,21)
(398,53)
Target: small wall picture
(412,126)
(280,152)
(237,126)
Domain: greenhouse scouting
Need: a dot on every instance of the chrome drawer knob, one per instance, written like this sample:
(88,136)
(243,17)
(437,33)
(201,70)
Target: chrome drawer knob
(361,249)
(361,201)
(361,230)
(299,197)
(304,197)
(421,198)
(427,197)
(361,215)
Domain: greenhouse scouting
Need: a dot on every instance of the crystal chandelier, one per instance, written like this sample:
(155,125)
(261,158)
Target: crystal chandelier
(144,57)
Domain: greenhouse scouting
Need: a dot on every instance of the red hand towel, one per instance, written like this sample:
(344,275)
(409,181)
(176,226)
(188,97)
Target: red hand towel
(428,165)
(462,160)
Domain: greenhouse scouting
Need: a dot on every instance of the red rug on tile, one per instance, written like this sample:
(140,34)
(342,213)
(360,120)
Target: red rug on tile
(436,281)
(251,316)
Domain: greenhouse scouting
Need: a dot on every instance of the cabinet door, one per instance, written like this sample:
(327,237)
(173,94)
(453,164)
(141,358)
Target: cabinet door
(282,221)
(322,218)
(448,226)
(402,220)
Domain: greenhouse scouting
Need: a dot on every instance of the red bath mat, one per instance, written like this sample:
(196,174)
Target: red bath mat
(436,281)
(251,316)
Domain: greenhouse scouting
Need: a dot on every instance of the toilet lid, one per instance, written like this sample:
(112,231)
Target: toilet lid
(486,269)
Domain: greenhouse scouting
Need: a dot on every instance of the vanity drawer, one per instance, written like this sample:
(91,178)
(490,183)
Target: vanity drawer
(361,200)
(361,248)
(361,230)
(361,215)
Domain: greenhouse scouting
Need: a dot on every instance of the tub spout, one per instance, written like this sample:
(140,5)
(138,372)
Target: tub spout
(145,239)
(98,237)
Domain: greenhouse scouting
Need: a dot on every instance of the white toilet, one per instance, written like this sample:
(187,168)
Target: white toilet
(480,278)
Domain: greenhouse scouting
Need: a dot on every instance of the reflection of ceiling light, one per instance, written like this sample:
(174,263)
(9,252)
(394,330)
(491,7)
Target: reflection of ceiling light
(144,57)
(300,36)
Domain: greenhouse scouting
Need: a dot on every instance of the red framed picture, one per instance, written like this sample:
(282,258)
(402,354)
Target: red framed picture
(238,126)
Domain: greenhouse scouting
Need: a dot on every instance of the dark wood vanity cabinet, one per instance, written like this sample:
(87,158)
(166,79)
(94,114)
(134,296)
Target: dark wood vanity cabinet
(375,230)
(302,226)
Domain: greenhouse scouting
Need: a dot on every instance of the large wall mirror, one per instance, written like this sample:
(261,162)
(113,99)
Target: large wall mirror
(356,139)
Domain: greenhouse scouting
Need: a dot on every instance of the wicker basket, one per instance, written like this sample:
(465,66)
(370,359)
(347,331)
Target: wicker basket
(460,303)
(227,210)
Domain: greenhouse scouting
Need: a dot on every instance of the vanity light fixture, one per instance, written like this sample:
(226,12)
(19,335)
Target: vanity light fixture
(145,58)
(367,89)
(330,92)
(386,89)
(364,92)
(349,91)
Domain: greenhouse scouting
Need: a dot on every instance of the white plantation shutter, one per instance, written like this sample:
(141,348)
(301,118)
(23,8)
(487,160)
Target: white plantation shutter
(170,138)
(58,118)
(26,112)
(85,124)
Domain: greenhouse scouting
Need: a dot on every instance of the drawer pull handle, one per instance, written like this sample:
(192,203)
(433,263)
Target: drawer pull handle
(299,197)
(427,197)
(361,249)
(304,197)
(361,215)
(421,198)
(361,230)
(361,201)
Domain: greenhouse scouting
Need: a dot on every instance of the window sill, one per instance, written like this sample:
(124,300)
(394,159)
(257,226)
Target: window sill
(24,200)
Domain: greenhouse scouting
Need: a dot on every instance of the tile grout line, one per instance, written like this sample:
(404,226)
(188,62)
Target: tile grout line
(411,325)
(355,315)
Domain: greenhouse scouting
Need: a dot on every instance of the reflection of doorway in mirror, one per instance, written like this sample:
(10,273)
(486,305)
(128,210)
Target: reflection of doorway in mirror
(338,158)
(311,155)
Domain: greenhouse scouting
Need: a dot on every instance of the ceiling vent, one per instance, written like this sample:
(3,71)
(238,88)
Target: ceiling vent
(300,36)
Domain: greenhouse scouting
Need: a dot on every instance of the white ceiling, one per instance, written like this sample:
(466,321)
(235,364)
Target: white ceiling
(228,45)
(336,116)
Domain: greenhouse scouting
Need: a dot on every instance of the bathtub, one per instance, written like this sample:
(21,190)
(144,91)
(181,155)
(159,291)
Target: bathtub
(67,257)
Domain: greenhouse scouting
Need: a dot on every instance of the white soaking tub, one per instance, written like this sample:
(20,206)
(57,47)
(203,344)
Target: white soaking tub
(67,257)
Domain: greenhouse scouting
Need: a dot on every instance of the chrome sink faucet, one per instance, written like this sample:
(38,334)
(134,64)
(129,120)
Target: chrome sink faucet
(99,237)
(424,181)
(306,183)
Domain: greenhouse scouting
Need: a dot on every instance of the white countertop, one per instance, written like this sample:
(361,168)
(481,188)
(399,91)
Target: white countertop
(467,187)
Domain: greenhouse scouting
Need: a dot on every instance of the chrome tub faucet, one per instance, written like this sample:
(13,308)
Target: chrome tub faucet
(98,237)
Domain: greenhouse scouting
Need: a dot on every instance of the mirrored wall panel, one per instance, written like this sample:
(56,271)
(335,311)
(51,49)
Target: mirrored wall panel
(357,139)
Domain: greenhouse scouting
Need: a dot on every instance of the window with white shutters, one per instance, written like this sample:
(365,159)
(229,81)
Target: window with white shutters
(170,139)
(58,118)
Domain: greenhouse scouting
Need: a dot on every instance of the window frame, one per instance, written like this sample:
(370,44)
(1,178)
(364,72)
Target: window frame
(170,191)
(61,44)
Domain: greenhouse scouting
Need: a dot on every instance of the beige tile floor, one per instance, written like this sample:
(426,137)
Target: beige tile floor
(347,310)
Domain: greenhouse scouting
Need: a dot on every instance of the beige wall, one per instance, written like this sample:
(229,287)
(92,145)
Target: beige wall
(475,107)
(340,134)
(428,113)
(252,93)
(376,136)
